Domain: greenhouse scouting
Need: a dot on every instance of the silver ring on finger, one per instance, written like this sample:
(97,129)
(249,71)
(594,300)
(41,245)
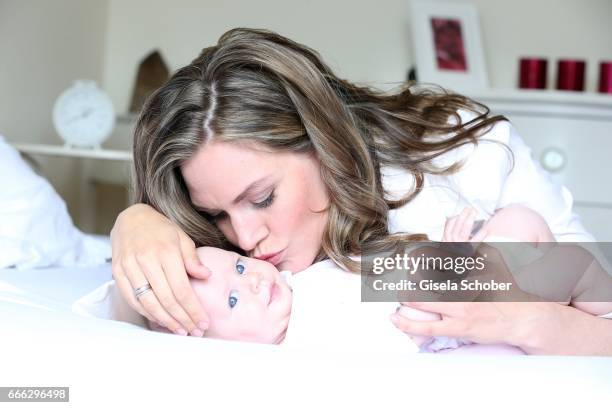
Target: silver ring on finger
(138,292)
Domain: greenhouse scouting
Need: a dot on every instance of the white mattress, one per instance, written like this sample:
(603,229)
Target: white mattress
(104,362)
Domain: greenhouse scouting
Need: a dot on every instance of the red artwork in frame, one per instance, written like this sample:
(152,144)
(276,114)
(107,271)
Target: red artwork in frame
(449,44)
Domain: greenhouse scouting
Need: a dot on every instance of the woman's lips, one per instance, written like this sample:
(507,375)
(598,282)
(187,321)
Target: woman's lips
(273,258)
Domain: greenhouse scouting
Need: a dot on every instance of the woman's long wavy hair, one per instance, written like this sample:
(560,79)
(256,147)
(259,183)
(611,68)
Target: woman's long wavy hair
(256,85)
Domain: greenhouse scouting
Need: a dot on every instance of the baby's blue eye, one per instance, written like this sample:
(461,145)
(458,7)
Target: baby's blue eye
(233,299)
(240,267)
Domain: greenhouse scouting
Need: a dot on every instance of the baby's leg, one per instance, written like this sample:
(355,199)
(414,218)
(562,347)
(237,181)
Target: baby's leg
(569,274)
(521,223)
(594,289)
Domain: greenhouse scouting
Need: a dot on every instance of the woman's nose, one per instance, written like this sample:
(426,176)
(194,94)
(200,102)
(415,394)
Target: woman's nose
(249,232)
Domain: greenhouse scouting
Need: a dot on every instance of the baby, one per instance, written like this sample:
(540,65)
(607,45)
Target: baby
(246,298)
(250,300)
(514,223)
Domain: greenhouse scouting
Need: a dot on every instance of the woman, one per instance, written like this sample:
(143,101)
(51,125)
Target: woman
(257,146)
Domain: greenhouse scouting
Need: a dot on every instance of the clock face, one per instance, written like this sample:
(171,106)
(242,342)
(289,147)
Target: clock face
(83,115)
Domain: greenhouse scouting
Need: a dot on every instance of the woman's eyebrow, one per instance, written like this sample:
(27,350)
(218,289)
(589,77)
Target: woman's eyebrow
(253,186)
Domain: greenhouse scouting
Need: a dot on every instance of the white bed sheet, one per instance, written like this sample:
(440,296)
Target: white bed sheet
(44,343)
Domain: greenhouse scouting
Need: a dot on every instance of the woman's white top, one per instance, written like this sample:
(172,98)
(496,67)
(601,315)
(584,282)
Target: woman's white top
(487,181)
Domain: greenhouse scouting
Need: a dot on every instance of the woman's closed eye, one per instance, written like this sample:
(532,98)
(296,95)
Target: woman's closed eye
(267,201)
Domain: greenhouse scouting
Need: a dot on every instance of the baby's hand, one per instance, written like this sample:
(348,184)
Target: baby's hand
(459,228)
(418,315)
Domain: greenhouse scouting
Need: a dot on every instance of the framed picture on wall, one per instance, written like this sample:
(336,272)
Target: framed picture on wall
(448,46)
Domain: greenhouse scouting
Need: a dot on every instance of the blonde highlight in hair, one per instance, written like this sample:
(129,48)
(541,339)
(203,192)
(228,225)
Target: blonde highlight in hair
(258,86)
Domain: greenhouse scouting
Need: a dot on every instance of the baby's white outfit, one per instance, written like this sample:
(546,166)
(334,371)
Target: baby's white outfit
(327,313)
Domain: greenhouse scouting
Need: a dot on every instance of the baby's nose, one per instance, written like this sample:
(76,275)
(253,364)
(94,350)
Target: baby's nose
(254,281)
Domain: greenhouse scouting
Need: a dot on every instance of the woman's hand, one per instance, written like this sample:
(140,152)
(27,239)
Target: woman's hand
(486,322)
(149,249)
(535,327)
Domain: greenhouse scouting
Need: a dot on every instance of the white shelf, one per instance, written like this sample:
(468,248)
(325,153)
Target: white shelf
(586,105)
(547,95)
(56,150)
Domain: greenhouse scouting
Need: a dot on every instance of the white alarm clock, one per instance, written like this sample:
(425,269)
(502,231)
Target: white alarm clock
(83,115)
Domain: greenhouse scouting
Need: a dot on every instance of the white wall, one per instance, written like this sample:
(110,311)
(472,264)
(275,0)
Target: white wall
(44,46)
(549,28)
(363,40)
(367,41)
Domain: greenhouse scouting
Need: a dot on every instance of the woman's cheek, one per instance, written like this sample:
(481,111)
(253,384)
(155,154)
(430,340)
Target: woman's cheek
(287,212)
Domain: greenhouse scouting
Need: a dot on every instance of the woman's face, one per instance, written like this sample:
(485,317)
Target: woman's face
(273,205)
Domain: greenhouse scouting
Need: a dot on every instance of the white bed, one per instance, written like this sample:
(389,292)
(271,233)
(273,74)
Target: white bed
(103,361)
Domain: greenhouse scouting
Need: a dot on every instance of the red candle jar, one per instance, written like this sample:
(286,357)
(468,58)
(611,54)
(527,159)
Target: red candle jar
(532,73)
(605,77)
(570,75)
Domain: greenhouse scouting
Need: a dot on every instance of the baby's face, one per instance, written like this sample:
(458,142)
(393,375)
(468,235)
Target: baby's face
(245,298)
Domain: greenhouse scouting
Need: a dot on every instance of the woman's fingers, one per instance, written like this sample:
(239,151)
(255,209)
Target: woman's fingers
(127,292)
(148,300)
(193,266)
(159,274)
(150,249)
(192,311)
(421,328)
(442,308)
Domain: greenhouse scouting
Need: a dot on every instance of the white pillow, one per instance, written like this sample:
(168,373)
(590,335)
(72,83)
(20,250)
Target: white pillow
(35,227)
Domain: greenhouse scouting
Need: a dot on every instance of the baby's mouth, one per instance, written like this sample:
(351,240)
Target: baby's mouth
(274,292)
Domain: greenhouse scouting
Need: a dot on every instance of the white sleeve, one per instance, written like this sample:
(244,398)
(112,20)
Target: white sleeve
(492,178)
